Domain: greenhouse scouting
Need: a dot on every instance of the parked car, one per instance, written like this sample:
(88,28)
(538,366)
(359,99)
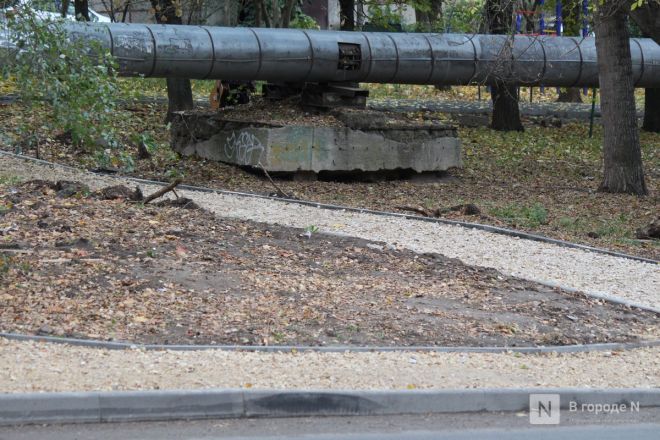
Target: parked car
(51,9)
(44,9)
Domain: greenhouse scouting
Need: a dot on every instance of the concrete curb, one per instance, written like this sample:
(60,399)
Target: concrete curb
(98,407)
(118,345)
(598,295)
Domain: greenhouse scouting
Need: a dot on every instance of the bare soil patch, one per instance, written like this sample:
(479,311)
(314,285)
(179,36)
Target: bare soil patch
(73,263)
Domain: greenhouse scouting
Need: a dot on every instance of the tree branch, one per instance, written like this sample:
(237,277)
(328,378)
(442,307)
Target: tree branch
(164,190)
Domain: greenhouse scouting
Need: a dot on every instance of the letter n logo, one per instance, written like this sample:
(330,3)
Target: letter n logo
(544,409)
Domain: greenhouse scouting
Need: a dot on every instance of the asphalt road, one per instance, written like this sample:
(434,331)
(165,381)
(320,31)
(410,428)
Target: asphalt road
(644,425)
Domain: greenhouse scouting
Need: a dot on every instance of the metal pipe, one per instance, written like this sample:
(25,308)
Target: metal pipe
(296,55)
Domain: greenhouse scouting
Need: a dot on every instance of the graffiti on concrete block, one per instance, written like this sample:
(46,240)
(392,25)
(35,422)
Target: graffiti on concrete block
(244,148)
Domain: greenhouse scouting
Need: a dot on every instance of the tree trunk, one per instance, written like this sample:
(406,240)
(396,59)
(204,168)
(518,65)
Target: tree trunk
(571,15)
(647,18)
(258,14)
(651,110)
(179,96)
(82,10)
(276,14)
(622,158)
(287,11)
(179,91)
(529,22)
(572,23)
(571,94)
(428,19)
(64,8)
(506,115)
(347,14)
(110,9)
(124,14)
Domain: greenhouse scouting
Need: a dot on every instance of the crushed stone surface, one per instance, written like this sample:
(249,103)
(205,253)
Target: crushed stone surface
(33,366)
(592,273)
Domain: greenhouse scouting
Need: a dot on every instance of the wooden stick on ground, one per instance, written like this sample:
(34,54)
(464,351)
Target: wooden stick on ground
(161,192)
(421,211)
(280,193)
(15,251)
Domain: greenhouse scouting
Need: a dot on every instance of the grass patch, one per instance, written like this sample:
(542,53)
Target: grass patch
(453,93)
(617,226)
(538,146)
(157,87)
(565,152)
(9,263)
(10,180)
(5,263)
(613,229)
(517,215)
(568,222)
(141,88)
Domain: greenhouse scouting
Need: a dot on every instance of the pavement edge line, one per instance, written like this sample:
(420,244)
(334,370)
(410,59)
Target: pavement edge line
(120,345)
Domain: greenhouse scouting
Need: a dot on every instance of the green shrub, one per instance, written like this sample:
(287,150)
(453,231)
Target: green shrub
(463,16)
(71,84)
(303,21)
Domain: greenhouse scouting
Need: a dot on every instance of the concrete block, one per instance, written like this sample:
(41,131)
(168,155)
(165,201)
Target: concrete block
(295,148)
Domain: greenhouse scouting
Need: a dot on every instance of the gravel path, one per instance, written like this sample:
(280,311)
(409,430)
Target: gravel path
(587,271)
(592,273)
(32,366)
